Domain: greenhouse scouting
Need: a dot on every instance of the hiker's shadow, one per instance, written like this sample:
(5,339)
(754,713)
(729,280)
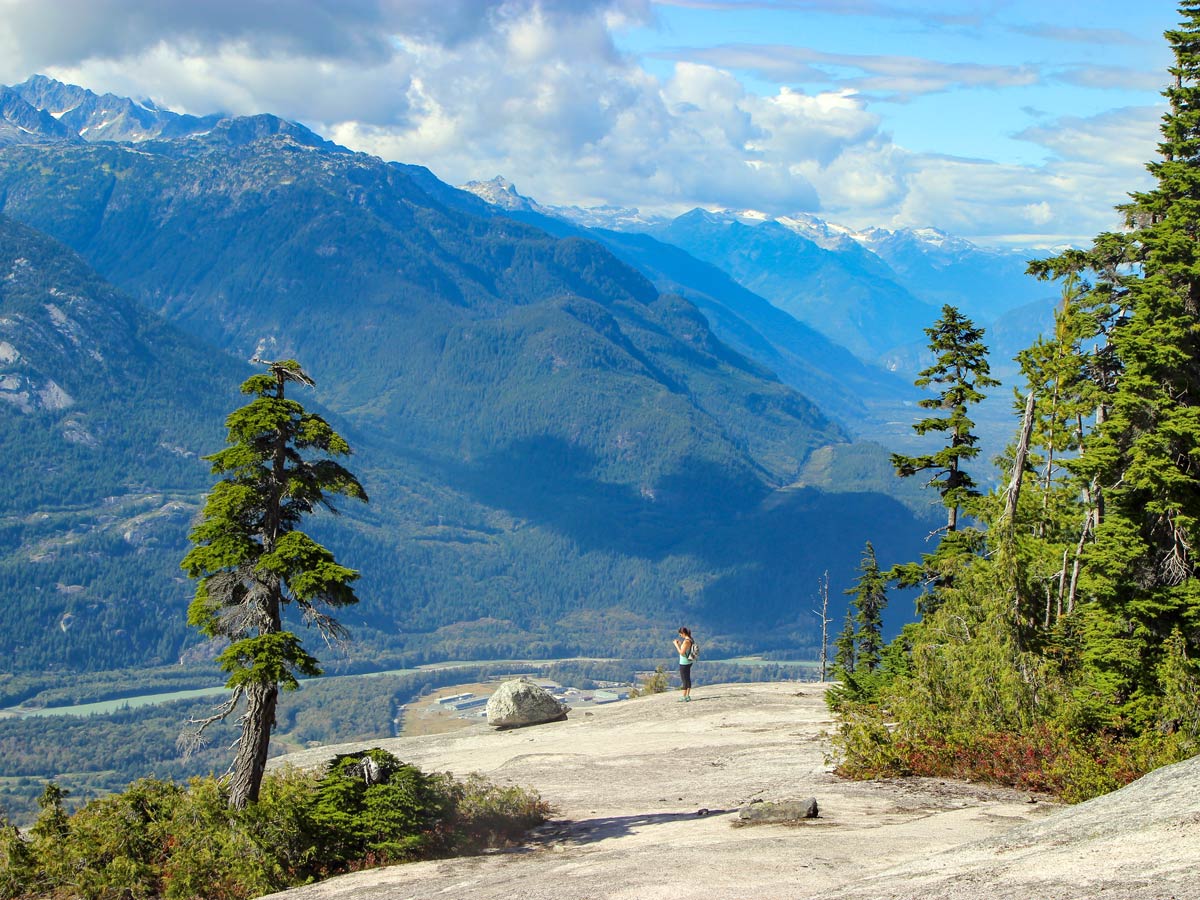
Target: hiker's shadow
(589,831)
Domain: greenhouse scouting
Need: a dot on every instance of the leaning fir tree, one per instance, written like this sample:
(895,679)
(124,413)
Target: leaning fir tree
(1140,572)
(251,560)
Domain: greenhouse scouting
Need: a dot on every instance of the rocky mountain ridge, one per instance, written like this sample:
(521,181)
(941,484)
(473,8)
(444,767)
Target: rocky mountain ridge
(84,115)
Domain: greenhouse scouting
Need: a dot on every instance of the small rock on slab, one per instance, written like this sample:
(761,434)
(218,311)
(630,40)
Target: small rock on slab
(781,812)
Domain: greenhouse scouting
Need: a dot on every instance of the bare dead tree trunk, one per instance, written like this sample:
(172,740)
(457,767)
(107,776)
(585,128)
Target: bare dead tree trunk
(1013,494)
(823,592)
(1062,588)
(1089,524)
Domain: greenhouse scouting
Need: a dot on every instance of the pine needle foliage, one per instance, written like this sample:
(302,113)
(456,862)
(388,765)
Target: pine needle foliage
(1143,456)
(959,373)
(858,661)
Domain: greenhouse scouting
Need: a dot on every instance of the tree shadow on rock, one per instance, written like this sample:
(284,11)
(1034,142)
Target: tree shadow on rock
(590,831)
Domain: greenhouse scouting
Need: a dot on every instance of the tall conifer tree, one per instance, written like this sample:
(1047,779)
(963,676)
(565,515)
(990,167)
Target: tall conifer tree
(870,598)
(960,370)
(251,560)
(1144,455)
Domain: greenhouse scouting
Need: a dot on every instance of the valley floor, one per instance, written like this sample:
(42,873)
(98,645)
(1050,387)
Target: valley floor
(647,792)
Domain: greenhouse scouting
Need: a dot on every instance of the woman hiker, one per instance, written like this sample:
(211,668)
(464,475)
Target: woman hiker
(684,646)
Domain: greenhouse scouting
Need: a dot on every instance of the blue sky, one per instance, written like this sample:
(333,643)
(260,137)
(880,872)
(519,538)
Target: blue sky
(1011,123)
(1007,60)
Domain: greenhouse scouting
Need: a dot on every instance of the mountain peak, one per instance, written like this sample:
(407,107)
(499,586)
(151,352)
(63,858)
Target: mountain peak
(927,240)
(23,123)
(707,216)
(502,193)
(827,235)
(84,114)
(238,131)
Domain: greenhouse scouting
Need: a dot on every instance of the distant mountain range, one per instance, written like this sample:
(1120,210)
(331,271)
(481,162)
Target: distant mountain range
(564,456)
(803,357)
(838,314)
(870,291)
(42,108)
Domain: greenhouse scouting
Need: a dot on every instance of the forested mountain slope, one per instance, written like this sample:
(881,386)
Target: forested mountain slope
(555,452)
(825,371)
(104,410)
(850,295)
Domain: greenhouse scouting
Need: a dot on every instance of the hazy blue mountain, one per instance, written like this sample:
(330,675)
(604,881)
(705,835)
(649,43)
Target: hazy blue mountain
(802,357)
(848,294)
(930,266)
(838,280)
(561,458)
(939,268)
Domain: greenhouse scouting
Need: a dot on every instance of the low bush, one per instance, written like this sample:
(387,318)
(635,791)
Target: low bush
(1044,758)
(159,839)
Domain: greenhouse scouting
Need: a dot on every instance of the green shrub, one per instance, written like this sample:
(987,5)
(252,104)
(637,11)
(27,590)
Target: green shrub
(864,744)
(225,854)
(1046,757)
(657,682)
(371,804)
(18,866)
(159,839)
(487,815)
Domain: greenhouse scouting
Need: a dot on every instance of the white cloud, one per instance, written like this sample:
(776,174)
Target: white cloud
(929,15)
(1126,137)
(1112,77)
(537,91)
(66,33)
(889,75)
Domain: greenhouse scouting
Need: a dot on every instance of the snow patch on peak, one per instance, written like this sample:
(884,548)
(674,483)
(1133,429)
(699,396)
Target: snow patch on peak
(932,235)
(826,235)
(502,193)
(929,239)
(8,353)
(750,216)
(614,218)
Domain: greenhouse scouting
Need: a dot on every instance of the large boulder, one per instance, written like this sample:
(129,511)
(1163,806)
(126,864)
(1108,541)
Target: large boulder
(519,703)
